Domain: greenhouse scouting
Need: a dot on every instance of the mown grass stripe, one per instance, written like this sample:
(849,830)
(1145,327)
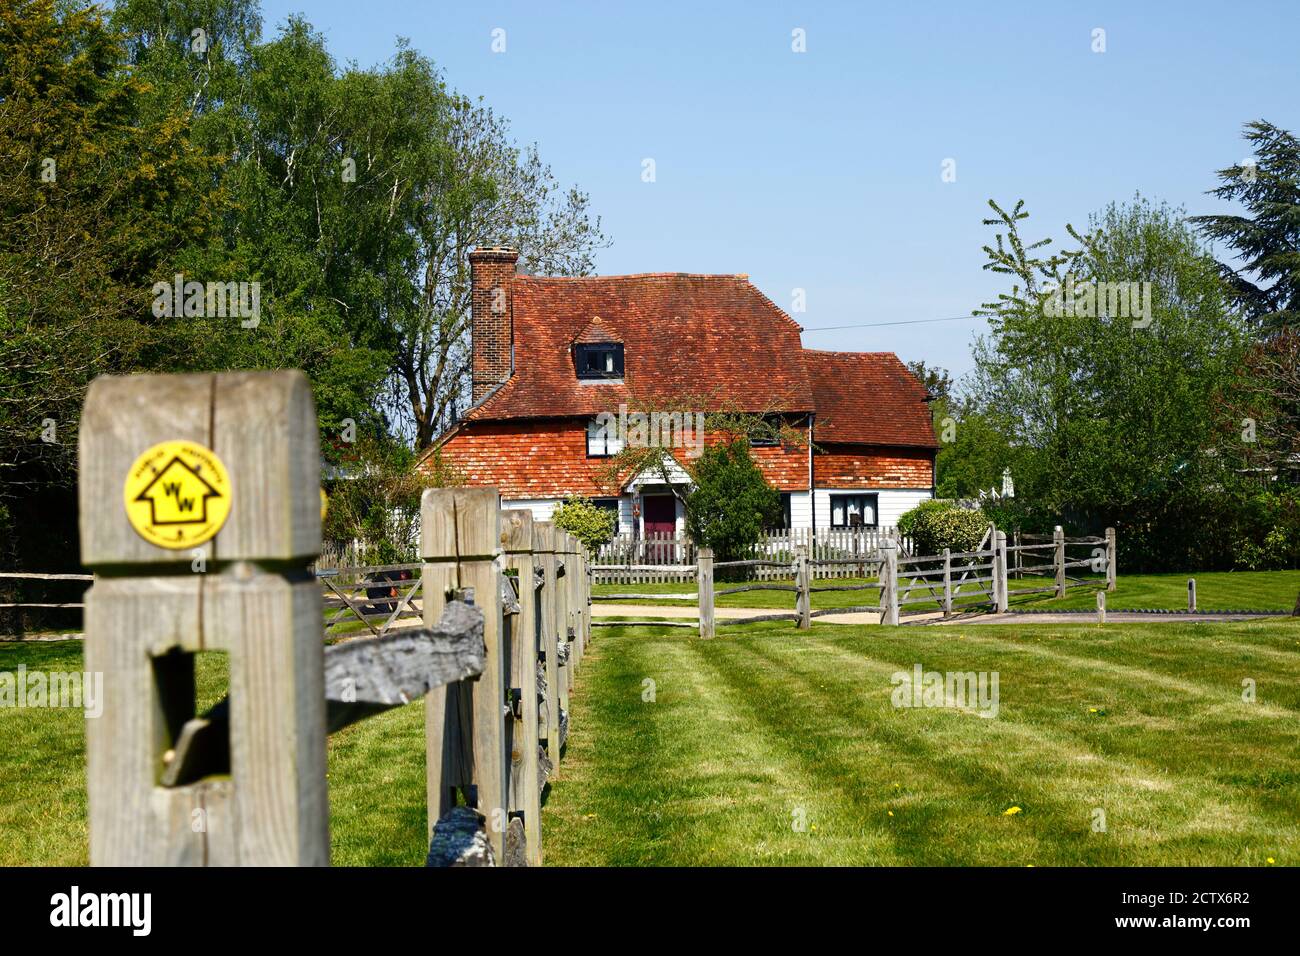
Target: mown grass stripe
(1127,782)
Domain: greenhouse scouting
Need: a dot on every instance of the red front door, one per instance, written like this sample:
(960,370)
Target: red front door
(660,514)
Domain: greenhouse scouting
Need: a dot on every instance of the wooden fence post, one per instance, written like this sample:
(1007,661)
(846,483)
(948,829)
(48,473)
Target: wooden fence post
(525,779)
(1191,594)
(947,582)
(573,582)
(246,442)
(1101,607)
(582,624)
(1110,559)
(563,650)
(586,598)
(465,722)
(803,601)
(1000,585)
(704,589)
(889,583)
(1017,561)
(1058,559)
(548,642)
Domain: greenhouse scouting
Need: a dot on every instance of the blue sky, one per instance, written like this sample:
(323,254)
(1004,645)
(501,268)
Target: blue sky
(822,170)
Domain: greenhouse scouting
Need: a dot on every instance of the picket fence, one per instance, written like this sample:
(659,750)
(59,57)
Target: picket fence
(660,557)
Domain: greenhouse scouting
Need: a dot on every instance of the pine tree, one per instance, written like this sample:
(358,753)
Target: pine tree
(1267,239)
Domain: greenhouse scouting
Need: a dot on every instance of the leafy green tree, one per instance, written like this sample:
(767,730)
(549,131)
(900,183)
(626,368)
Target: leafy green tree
(977,450)
(356,196)
(98,190)
(1266,280)
(731,502)
(936,380)
(591,525)
(1114,419)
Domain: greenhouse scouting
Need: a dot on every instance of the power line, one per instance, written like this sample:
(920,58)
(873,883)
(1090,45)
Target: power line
(875,325)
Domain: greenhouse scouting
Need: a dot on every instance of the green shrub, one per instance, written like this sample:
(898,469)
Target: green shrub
(935,525)
(591,525)
(731,502)
(1268,535)
(373,516)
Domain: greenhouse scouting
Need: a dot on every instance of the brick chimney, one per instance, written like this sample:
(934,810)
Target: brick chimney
(491,270)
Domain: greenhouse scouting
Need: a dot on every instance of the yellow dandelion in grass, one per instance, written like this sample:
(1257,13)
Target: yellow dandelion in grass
(1010,811)
(589,816)
(891,813)
(1270,861)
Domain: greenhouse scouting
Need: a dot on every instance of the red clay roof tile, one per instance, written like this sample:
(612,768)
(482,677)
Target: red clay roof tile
(868,398)
(703,343)
(596,333)
(696,341)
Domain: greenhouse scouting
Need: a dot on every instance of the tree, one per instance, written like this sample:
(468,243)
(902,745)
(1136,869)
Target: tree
(936,381)
(365,271)
(1114,418)
(278,113)
(1266,285)
(731,501)
(481,189)
(98,191)
(977,450)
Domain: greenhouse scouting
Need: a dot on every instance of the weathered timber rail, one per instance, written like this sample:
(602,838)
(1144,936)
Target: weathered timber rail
(506,622)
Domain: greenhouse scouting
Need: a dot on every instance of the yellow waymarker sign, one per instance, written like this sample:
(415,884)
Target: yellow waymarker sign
(177,494)
(324,504)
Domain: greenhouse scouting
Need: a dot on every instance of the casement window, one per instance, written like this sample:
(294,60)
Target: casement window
(608,504)
(853,511)
(768,434)
(599,360)
(603,440)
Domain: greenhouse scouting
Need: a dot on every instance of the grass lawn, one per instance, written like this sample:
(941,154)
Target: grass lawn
(766,724)
(376,775)
(1217,590)
(1143,721)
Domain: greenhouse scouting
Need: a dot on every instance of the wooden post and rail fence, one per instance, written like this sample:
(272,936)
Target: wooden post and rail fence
(177,574)
(947,582)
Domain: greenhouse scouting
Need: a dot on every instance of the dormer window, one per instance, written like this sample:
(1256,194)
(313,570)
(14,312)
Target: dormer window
(599,360)
(597,352)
